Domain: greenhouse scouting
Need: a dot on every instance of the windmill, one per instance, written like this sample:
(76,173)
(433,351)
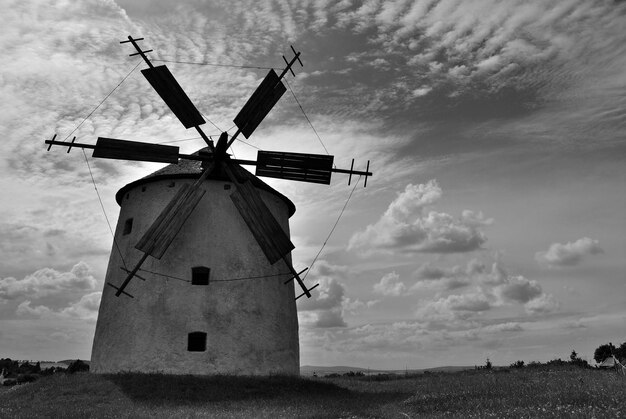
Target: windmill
(268,232)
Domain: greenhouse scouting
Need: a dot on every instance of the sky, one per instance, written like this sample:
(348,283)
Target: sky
(493,227)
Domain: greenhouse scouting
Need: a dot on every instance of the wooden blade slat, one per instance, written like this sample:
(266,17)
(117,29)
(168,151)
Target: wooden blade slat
(173,95)
(111,148)
(260,103)
(167,225)
(268,233)
(309,177)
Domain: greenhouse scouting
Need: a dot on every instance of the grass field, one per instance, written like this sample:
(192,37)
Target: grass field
(556,392)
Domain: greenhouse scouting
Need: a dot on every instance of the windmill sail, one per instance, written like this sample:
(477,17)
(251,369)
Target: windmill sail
(111,148)
(164,229)
(260,103)
(313,168)
(173,95)
(267,232)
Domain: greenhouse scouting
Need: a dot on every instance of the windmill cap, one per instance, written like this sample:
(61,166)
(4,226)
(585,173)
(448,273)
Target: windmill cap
(192,169)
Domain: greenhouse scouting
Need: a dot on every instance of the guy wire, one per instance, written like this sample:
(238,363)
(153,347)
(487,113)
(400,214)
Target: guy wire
(332,229)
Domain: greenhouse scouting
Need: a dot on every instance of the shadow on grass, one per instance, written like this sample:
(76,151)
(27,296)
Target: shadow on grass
(161,388)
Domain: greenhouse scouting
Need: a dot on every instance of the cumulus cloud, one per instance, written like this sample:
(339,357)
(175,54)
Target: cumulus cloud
(429,276)
(390,285)
(326,307)
(329,303)
(545,303)
(570,253)
(406,226)
(518,289)
(455,307)
(84,309)
(48,282)
(493,288)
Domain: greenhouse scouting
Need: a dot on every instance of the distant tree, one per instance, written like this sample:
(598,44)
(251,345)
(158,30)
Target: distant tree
(602,352)
(579,362)
(488,364)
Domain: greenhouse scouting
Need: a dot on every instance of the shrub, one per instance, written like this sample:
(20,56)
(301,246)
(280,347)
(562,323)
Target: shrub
(26,378)
(518,364)
(77,366)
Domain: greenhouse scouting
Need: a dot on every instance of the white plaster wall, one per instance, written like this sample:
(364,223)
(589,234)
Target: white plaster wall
(252,325)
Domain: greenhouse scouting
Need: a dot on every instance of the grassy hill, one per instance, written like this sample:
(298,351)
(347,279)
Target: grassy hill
(549,392)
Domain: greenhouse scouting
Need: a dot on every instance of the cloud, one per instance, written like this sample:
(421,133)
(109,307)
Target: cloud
(325,308)
(518,289)
(48,282)
(493,289)
(545,303)
(570,253)
(329,303)
(84,309)
(407,227)
(390,285)
(429,276)
(455,308)
(504,327)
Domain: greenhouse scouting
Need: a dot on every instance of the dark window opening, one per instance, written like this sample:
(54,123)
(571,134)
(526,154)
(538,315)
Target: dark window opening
(171,184)
(127,195)
(128,227)
(226,187)
(143,189)
(200,275)
(196,342)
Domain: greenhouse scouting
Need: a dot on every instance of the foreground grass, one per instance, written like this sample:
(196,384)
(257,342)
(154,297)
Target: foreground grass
(562,392)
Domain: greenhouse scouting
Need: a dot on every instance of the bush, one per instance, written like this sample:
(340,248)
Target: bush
(77,366)
(517,364)
(558,362)
(26,378)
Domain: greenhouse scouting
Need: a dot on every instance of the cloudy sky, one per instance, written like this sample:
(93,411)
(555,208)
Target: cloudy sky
(494,225)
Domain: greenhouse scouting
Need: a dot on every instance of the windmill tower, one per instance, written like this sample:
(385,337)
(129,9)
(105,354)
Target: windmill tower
(208,245)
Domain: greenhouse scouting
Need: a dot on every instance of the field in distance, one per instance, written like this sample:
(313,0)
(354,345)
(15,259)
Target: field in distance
(556,392)
(309,370)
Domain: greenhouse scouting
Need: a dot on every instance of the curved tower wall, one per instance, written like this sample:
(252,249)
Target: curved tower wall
(251,325)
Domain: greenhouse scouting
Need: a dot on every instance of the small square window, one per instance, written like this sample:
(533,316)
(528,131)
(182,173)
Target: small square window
(143,189)
(200,275)
(226,187)
(171,184)
(128,227)
(196,342)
